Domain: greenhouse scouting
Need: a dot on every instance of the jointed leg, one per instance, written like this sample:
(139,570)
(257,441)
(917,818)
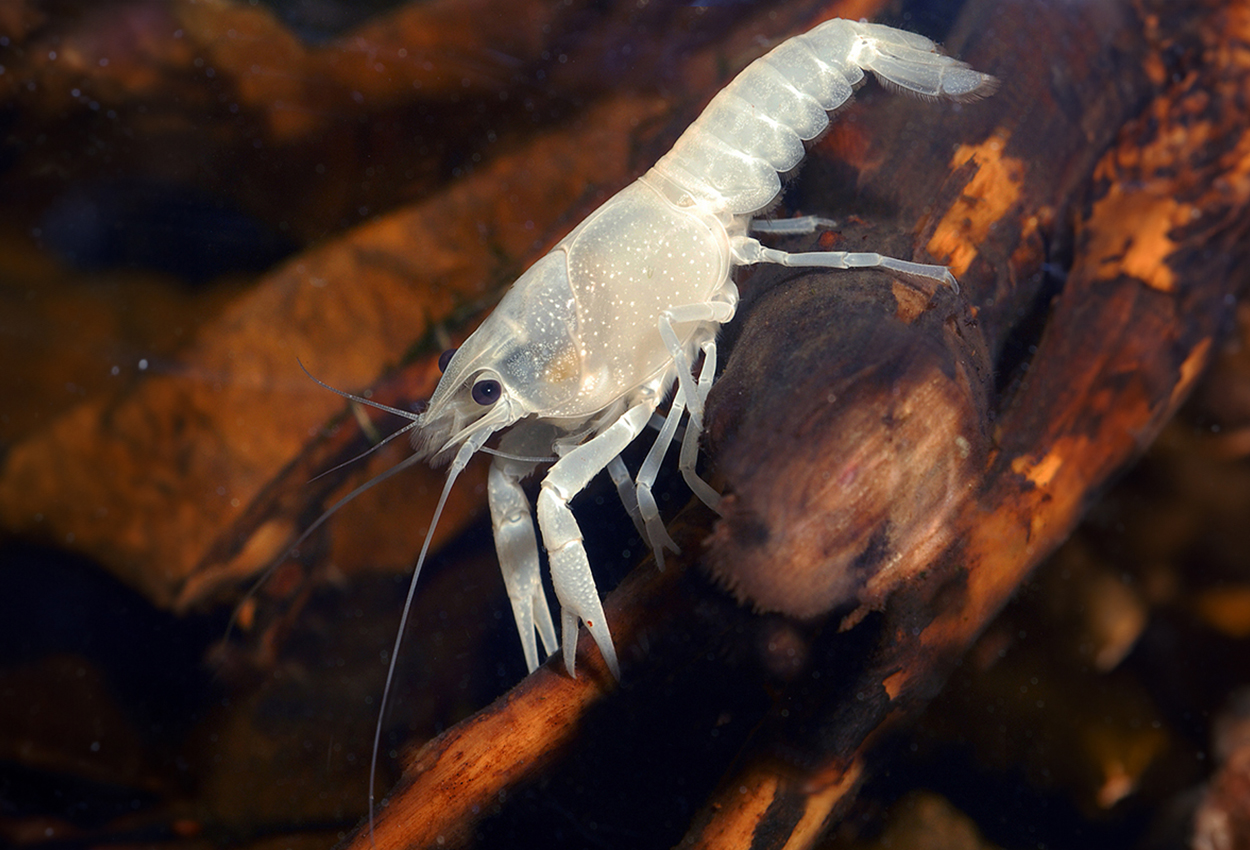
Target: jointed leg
(747,250)
(570,569)
(791,226)
(690,442)
(657,535)
(711,311)
(625,489)
(518,556)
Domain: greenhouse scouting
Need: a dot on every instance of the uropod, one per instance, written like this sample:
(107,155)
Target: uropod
(574,361)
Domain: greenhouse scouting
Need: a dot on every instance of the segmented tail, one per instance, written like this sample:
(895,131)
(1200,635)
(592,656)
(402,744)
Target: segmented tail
(754,129)
(909,62)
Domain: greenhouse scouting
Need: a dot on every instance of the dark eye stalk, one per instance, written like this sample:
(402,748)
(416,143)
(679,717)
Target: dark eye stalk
(487,391)
(445,358)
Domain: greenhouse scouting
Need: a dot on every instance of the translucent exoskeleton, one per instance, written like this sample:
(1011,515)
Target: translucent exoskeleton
(584,347)
(586,344)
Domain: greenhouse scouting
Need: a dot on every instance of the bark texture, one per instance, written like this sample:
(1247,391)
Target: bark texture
(897,460)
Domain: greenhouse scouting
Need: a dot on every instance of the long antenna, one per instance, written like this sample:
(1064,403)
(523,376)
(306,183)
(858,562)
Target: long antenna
(411,460)
(467,450)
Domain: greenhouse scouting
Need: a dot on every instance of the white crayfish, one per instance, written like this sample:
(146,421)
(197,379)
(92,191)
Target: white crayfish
(586,344)
(589,341)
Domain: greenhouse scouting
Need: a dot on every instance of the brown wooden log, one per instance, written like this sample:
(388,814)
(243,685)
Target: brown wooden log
(906,456)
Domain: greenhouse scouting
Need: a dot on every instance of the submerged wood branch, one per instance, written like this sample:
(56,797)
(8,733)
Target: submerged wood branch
(899,459)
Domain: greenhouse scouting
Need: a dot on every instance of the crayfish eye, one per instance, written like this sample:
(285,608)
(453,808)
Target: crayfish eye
(445,358)
(487,391)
